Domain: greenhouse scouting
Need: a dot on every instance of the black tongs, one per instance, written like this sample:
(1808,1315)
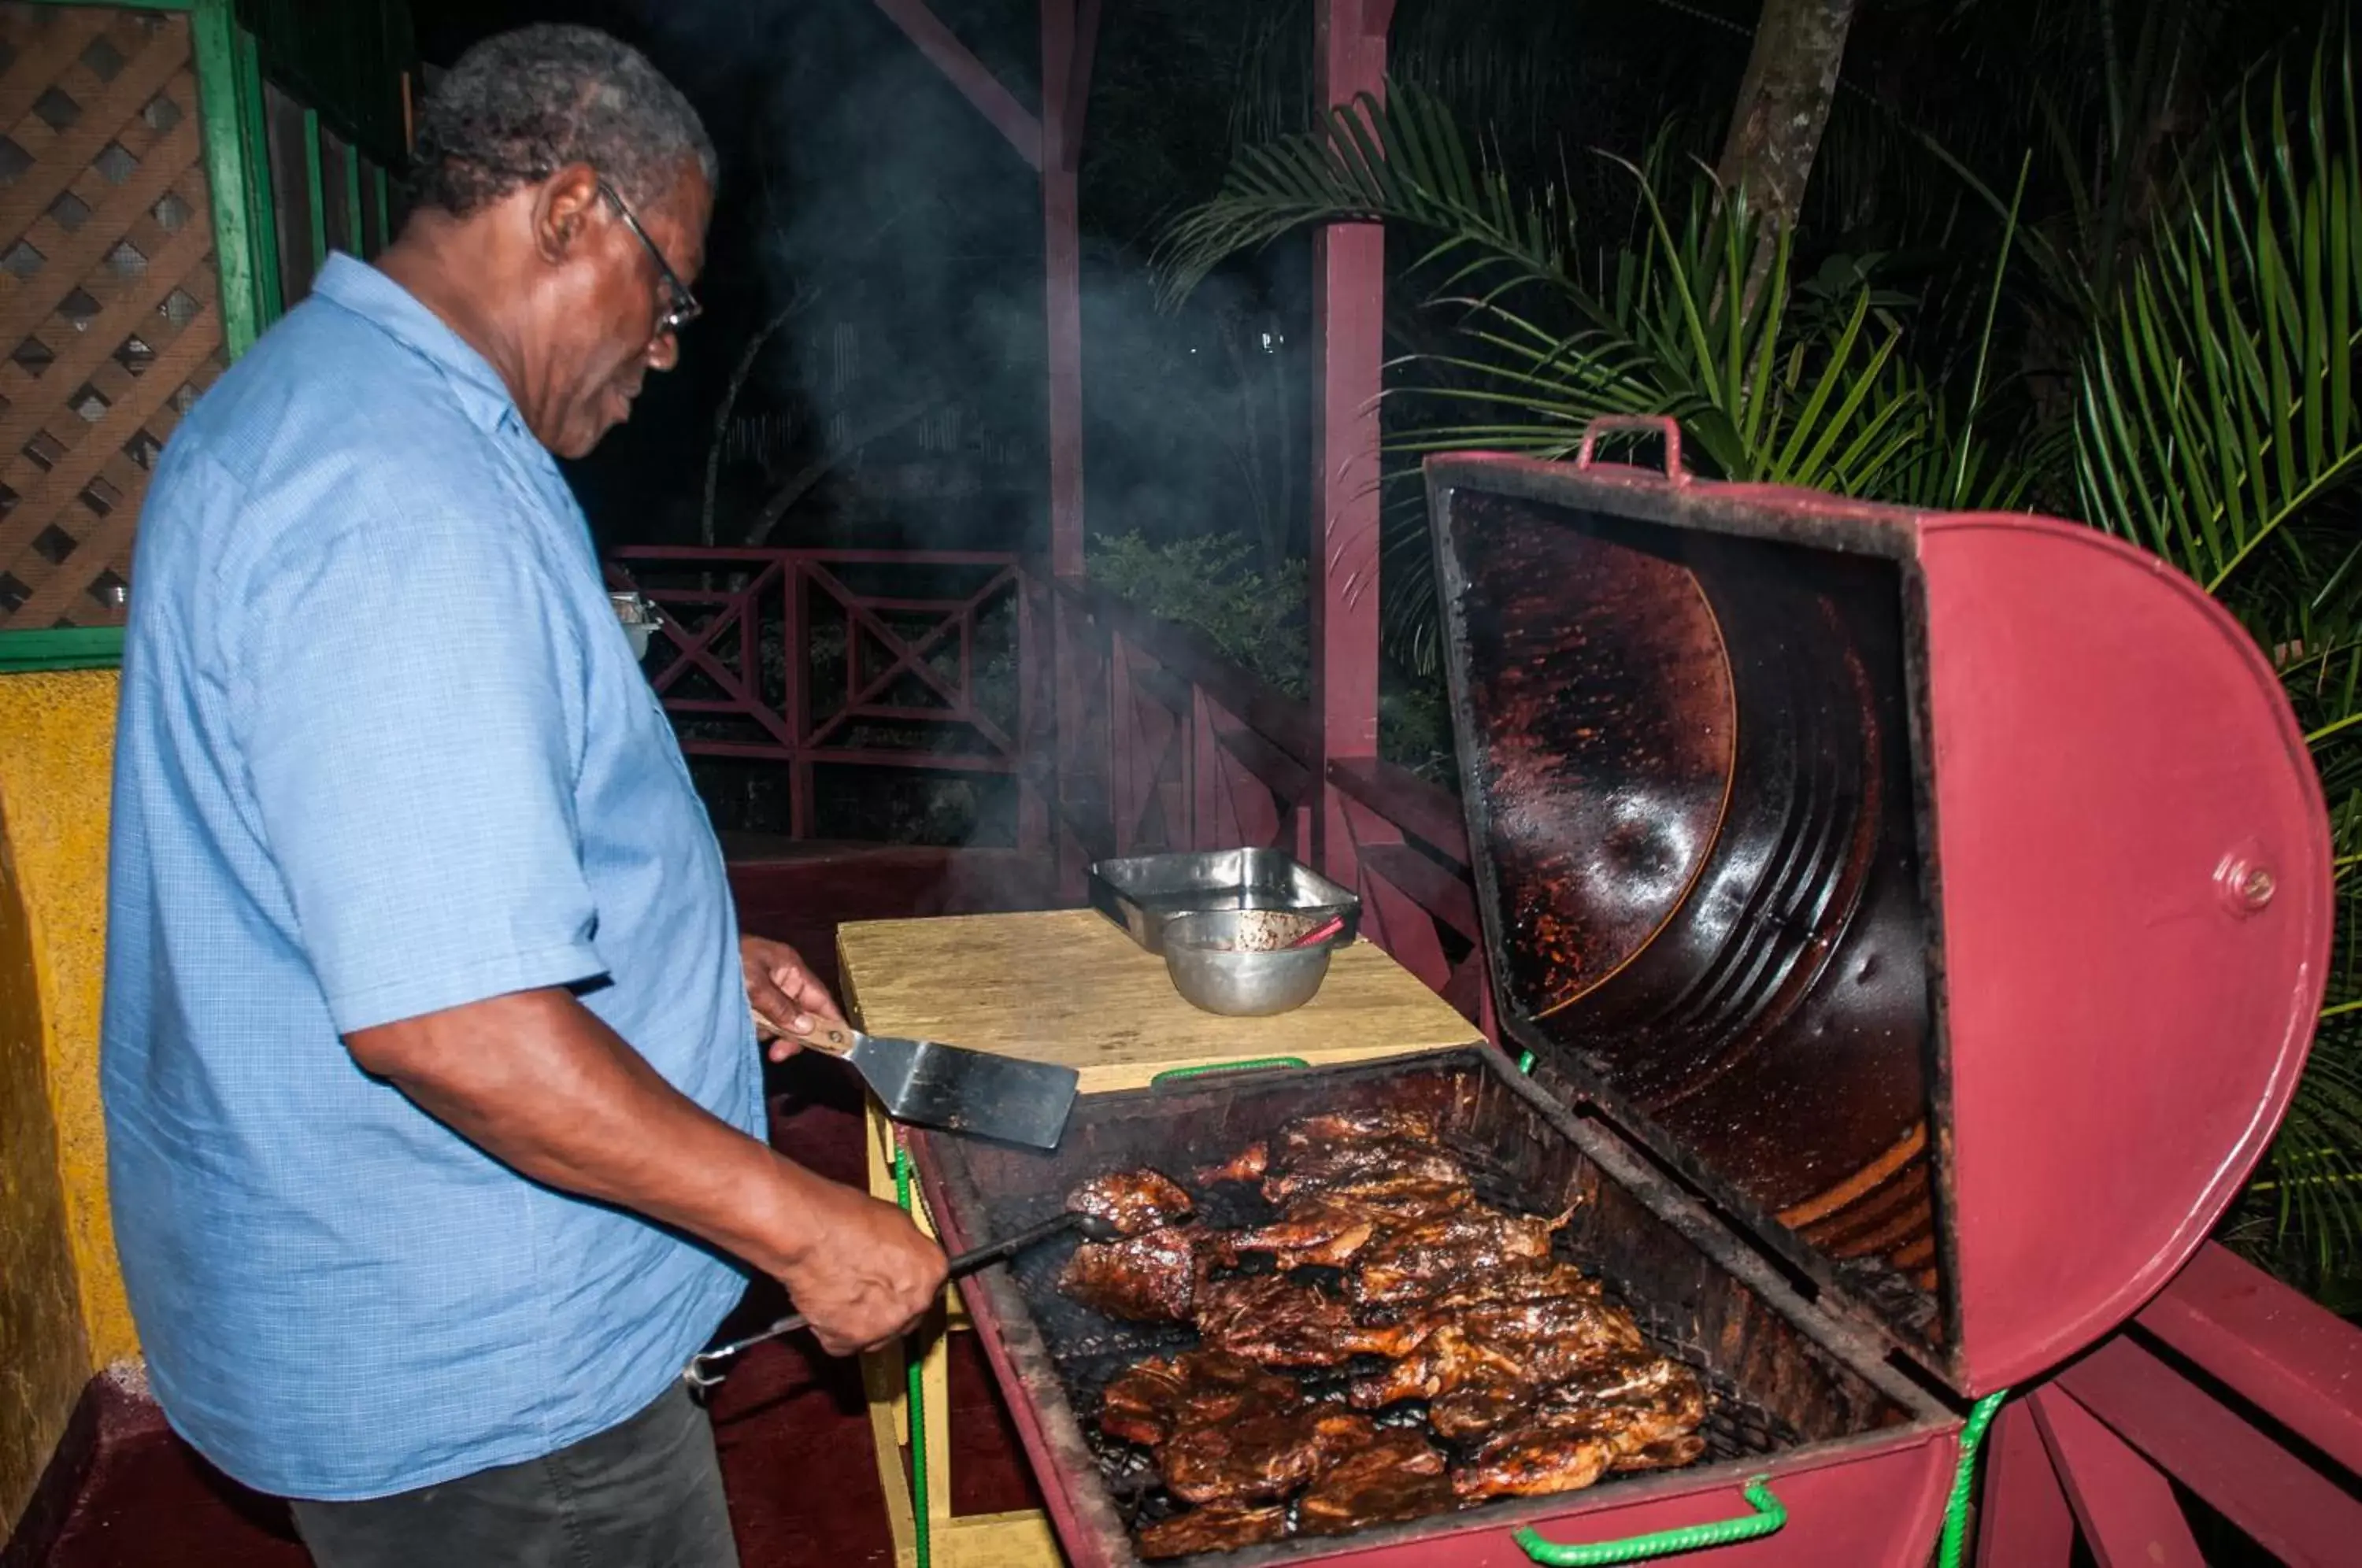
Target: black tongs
(710,1368)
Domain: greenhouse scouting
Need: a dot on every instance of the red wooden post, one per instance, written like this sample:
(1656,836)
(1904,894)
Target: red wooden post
(1348,302)
(1066,78)
(795,643)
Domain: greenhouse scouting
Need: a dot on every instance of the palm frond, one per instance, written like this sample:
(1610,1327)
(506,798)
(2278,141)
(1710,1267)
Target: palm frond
(2215,401)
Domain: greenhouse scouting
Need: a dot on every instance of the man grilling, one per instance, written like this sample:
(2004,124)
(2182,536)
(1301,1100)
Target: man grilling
(435,1113)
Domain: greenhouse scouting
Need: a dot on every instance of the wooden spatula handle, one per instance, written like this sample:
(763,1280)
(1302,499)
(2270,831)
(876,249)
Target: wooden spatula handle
(827,1036)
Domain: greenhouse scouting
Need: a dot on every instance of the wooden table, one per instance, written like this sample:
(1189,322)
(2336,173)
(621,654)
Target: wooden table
(1068,986)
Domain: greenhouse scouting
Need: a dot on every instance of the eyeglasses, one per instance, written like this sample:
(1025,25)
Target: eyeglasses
(680,305)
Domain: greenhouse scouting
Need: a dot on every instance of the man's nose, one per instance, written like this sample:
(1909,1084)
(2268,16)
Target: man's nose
(663,351)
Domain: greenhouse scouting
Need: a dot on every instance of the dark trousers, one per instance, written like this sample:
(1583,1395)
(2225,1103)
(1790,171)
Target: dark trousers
(646,1493)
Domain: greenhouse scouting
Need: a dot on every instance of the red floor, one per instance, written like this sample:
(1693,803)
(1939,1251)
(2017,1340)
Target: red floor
(793,1435)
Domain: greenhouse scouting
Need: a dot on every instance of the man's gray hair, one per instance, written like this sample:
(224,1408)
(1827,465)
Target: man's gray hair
(521,105)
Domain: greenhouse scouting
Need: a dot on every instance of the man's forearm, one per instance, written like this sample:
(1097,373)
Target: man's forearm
(540,1082)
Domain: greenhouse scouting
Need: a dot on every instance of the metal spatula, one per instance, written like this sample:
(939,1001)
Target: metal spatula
(930,1085)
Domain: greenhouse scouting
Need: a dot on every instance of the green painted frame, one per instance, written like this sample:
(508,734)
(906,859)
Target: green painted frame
(353,201)
(319,193)
(270,301)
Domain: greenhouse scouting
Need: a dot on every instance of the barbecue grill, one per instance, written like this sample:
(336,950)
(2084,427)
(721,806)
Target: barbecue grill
(1912,925)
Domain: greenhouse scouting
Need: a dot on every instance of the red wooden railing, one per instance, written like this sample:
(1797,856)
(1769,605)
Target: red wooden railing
(804,656)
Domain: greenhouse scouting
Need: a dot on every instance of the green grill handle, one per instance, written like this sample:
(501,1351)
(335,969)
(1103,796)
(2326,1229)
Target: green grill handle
(1251,1064)
(1770,1515)
(922,1549)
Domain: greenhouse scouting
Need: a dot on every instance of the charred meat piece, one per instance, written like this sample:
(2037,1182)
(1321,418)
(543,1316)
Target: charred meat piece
(1531,1461)
(1445,1249)
(1326,1128)
(1519,1279)
(1313,1139)
(1260,1456)
(1274,1320)
(1135,1202)
(1399,1476)
(1148,1278)
(1312,1229)
(1665,1453)
(1520,1343)
(1337,1165)
(1248,1164)
(1479,1409)
(1210,1530)
(1327,1227)
(1565,1444)
(1151,1400)
(1476,1409)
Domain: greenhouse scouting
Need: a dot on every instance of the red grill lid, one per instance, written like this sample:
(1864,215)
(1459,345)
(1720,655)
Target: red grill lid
(1947,895)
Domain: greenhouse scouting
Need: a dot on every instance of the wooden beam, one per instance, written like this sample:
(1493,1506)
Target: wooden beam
(1349,263)
(1062,248)
(2297,1360)
(2292,1509)
(979,85)
(1079,84)
(2129,1514)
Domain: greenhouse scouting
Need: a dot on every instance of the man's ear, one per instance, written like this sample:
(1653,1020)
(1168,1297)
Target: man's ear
(561,213)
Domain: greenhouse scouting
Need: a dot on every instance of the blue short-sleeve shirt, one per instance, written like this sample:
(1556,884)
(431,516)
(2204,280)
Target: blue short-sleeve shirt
(383,749)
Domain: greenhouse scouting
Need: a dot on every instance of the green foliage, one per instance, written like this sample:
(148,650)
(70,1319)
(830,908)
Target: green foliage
(1211,584)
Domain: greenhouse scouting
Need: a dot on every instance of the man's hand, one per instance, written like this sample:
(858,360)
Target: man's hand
(868,1275)
(784,995)
(538,1081)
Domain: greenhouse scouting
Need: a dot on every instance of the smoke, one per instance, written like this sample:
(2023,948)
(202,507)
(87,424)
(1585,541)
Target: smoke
(868,181)
(908,397)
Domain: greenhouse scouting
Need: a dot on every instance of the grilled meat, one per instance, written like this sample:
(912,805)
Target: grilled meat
(1328,1226)
(1565,1444)
(1519,1279)
(1148,1278)
(1135,1202)
(1312,1137)
(1210,1530)
(1326,1128)
(1151,1400)
(1247,1164)
(1312,1231)
(1260,1456)
(1529,1461)
(1445,1249)
(1631,1377)
(1335,1166)
(1665,1453)
(1400,1476)
(1274,1320)
(1514,1343)
(1546,1384)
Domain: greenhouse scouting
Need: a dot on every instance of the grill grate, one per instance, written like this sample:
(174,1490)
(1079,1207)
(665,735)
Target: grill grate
(1088,1350)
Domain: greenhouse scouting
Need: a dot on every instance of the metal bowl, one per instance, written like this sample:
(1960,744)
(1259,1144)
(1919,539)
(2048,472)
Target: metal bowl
(1237,963)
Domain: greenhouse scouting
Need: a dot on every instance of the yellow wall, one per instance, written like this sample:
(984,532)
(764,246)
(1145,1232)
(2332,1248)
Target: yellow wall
(42,1347)
(57,733)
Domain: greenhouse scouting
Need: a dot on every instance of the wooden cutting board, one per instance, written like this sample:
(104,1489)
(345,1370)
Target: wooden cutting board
(1067,987)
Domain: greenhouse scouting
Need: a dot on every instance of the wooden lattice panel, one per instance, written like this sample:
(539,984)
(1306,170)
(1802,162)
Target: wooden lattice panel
(110,322)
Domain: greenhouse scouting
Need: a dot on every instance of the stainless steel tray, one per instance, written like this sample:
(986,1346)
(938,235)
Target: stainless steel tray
(1142,893)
